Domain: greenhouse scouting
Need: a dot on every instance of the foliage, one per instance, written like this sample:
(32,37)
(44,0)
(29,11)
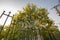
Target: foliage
(30,23)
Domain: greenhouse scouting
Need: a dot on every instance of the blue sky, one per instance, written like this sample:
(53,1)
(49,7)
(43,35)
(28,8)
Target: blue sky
(14,5)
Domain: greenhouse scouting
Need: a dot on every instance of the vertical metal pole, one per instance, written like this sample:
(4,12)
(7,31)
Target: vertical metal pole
(9,28)
(5,22)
